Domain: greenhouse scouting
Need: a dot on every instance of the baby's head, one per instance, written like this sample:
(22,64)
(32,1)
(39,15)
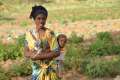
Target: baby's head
(61,39)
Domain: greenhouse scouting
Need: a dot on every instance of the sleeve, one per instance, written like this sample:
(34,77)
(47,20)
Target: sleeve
(25,43)
(52,40)
(29,41)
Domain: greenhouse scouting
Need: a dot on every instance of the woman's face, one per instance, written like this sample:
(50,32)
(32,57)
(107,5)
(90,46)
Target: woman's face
(40,21)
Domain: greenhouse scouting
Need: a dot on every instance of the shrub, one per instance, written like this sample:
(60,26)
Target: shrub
(104,36)
(20,40)
(4,75)
(97,67)
(100,48)
(23,69)
(72,58)
(116,49)
(103,45)
(75,39)
(12,51)
(24,24)
(75,53)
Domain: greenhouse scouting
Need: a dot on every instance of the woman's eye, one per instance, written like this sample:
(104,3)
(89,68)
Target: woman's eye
(39,18)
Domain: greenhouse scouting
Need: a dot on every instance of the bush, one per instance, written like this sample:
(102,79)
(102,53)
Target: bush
(12,51)
(104,36)
(4,75)
(97,67)
(20,40)
(75,39)
(103,45)
(23,69)
(75,53)
(100,48)
(72,58)
(116,49)
(24,24)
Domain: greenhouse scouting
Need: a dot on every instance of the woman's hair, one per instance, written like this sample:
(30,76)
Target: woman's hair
(36,10)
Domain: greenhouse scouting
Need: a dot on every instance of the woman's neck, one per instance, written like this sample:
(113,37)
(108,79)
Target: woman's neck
(40,29)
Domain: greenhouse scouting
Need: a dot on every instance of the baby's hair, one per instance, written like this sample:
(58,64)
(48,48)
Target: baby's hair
(61,36)
(36,10)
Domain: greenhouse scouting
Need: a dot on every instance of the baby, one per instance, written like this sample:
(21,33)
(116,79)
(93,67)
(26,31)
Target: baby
(61,39)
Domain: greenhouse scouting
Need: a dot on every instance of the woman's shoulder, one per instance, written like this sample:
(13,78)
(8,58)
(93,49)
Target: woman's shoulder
(30,31)
(49,31)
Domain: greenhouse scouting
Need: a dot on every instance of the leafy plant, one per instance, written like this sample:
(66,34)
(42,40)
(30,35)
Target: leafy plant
(103,45)
(24,24)
(75,39)
(22,69)
(4,75)
(12,51)
(104,36)
(100,48)
(97,67)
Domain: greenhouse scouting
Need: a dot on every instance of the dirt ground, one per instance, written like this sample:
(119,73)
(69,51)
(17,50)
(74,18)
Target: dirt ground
(86,28)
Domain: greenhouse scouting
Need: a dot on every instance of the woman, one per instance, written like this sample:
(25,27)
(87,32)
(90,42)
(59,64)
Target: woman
(40,47)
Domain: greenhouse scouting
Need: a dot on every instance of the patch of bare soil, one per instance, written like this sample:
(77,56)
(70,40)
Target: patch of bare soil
(87,28)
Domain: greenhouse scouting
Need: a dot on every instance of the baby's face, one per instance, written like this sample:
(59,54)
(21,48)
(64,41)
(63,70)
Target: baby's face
(62,41)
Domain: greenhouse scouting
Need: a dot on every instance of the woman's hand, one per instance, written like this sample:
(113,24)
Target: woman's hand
(41,56)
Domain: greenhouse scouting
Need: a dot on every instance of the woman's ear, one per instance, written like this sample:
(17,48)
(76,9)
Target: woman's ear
(32,20)
(58,40)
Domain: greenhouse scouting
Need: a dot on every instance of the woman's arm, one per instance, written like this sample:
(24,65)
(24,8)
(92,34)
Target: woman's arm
(43,55)
(27,52)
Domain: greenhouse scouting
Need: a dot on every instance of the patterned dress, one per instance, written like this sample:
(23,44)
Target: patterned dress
(42,69)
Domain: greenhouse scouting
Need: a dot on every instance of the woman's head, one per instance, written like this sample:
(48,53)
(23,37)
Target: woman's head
(39,14)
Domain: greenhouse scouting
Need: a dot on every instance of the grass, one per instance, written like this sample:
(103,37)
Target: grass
(12,51)
(22,69)
(98,67)
(69,11)
(24,23)
(77,58)
(4,75)
(104,64)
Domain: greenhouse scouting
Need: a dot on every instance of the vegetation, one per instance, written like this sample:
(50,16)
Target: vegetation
(93,62)
(100,58)
(22,69)
(63,12)
(12,51)
(4,75)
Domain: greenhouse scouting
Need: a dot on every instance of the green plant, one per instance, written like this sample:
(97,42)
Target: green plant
(103,45)
(72,58)
(22,69)
(97,67)
(24,24)
(20,40)
(4,75)
(100,48)
(75,39)
(12,50)
(104,36)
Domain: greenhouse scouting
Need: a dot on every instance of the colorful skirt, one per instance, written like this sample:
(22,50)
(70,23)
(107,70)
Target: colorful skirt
(46,72)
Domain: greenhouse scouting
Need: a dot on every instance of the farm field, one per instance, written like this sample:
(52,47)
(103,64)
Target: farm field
(92,28)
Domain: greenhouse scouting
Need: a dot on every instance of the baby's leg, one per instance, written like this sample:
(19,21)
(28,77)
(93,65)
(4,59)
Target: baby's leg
(60,68)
